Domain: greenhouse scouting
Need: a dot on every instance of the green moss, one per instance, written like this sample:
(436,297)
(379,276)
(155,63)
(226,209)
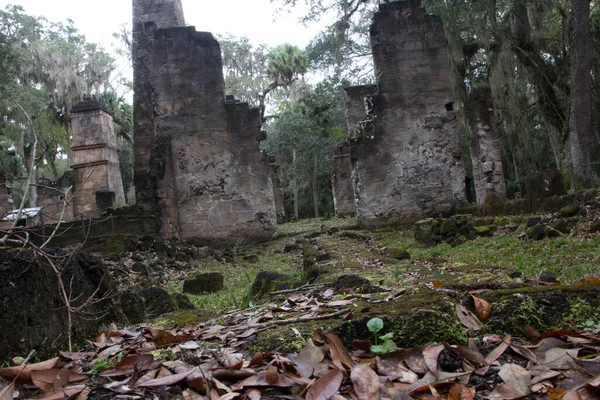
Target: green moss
(115,244)
(181,318)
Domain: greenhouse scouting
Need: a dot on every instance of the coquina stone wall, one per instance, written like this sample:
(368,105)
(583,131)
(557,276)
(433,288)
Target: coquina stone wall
(407,154)
(198,164)
(95,163)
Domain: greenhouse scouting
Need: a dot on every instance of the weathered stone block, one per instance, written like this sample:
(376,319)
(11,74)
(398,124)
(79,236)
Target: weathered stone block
(210,282)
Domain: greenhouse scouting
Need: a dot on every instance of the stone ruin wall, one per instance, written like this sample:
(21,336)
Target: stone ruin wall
(198,164)
(51,195)
(95,163)
(486,150)
(341,182)
(407,162)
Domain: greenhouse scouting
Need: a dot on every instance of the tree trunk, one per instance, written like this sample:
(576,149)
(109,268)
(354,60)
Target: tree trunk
(315,188)
(580,125)
(294,184)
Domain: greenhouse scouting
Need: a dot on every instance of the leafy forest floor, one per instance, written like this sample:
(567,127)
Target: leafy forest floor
(361,314)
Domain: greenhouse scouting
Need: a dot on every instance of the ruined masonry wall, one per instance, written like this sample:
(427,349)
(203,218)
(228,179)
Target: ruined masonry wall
(341,182)
(198,163)
(95,162)
(486,149)
(409,166)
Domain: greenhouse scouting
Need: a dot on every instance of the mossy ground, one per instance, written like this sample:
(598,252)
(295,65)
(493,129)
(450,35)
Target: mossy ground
(423,314)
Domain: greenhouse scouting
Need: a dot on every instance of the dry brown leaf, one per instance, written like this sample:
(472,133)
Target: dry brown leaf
(256,360)
(22,374)
(395,371)
(339,355)
(44,379)
(167,380)
(588,281)
(189,394)
(498,351)
(308,359)
(68,392)
(138,362)
(516,377)
(461,392)
(254,394)
(272,375)
(530,332)
(431,355)
(8,392)
(467,318)
(259,380)
(366,382)
(483,308)
(437,284)
(326,386)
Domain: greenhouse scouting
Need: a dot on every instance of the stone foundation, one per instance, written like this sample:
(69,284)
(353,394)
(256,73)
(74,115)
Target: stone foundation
(198,164)
(407,154)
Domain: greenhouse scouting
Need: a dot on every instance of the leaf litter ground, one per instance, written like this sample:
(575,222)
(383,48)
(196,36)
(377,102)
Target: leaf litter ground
(212,361)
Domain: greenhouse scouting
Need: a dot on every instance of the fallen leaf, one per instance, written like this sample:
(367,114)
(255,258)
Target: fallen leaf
(498,351)
(460,392)
(44,379)
(467,318)
(431,355)
(326,386)
(339,355)
(483,308)
(166,381)
(366,382)
(254,394)
(395,371)
(189,394)
(588,281)
(272,375)
(516,377)
(8,392)
(260,380)
(256,360)
(530,332)
(21,375)
(437,284)
(308,359)
(65,393)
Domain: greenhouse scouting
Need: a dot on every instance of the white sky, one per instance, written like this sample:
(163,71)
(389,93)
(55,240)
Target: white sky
(98,20)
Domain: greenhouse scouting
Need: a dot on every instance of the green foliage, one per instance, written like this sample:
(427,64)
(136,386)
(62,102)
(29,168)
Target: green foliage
(98,366)
(589,325)
(387,343)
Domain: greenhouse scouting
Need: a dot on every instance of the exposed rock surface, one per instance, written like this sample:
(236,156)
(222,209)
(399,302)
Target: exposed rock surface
(33,315)
(268,281)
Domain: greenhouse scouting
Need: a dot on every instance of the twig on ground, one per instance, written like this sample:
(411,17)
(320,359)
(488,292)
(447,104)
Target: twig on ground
(290,321)
(298,289)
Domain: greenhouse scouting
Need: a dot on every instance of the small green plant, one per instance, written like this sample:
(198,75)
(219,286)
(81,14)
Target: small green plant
(246,301)
(99,366)
(589,325)
(397,273)
(387,343)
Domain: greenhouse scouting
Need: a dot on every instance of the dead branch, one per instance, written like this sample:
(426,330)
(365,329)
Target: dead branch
(299,289)
(270,324)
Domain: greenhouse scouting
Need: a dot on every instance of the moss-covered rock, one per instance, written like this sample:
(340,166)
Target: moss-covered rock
(157,301)
(268,281)
(483,231)
(202,283)
(133,307)
(397,254)
(569,211)
(182,302)
(448,226)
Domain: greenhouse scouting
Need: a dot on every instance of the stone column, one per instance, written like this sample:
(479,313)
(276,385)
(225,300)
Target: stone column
(95,163)
(486,148)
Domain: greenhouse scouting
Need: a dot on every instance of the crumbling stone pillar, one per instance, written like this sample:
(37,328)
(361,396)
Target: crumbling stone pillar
(341,182)
(95,163)
(408,164)
(486,149)
(198,164)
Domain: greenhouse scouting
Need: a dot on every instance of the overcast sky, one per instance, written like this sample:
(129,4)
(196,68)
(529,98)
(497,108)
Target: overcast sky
(256,19)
